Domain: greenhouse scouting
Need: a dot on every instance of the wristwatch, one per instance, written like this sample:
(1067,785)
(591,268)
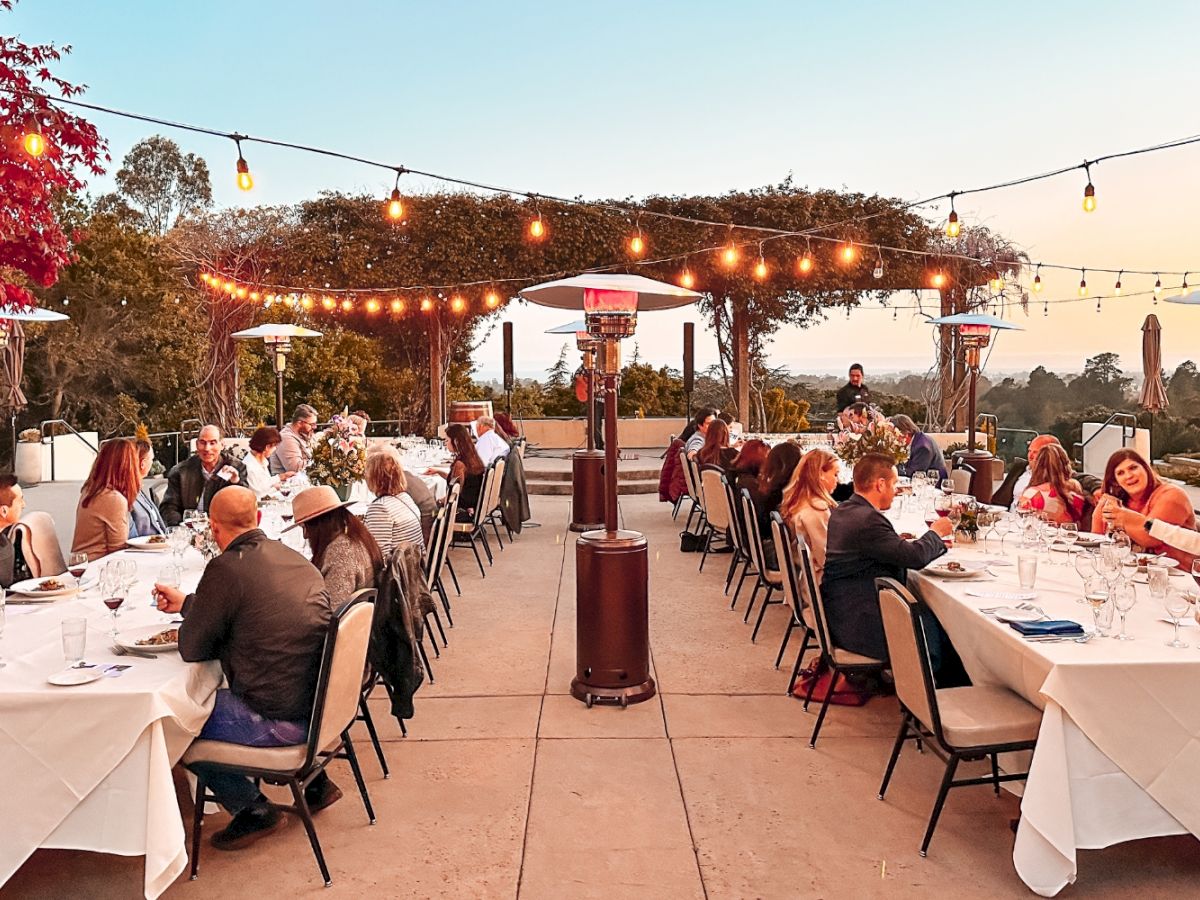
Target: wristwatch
(1147,525)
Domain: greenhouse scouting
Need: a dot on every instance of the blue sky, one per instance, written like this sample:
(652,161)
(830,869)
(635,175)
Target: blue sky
(622,99)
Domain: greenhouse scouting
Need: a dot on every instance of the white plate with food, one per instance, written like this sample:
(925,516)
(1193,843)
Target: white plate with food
(75,675)
(955,569)
(46,588)
(1144,559)
(149,542)
(149,638)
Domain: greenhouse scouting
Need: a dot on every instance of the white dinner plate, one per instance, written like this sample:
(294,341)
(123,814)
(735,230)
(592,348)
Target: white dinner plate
(1140,577)
(1165,561)
(147,542)
(130,637)
(71,677)
(1012,614)
(29,587)
(969,570)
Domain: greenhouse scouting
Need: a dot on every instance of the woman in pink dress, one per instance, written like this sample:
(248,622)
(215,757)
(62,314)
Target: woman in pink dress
(1052,491)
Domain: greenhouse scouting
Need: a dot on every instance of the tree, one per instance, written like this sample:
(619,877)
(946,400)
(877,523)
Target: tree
(1184,387)
(646,391)
(34,246)
(162,184)
(1102,383)
(559,374)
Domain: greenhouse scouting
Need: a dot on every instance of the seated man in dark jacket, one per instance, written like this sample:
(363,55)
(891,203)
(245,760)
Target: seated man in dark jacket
(863,546)
(262,610)
(192,483)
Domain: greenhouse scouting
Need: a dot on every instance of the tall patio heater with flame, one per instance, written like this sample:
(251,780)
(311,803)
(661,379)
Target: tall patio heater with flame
(612,636)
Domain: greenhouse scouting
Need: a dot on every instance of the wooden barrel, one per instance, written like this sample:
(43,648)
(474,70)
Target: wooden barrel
(467,411)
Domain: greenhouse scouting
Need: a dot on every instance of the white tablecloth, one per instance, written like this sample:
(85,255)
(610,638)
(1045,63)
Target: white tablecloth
(89,767)
(1119,748)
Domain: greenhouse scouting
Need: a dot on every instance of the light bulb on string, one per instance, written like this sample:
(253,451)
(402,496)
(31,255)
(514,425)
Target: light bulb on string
(895,312)
(244,180)
(1089,192)
(372,306)
(397,306)
(937,280)
(729,255)
(1083,289)
(686,278)
(537,228)
(996,284)
(1117,286)
(760,268)
(1157,287)
(34,142)
(805,263)
(1037,280)
(1045,307)
(953,229)
(849,252)
(328,303)
(395,205)
(242,293)
(1097,304)
(637,243)
(491,300)
(347,305)
(306,301)
(878,272)
(1184,287)
(458,304)
(254,296)
(426,304)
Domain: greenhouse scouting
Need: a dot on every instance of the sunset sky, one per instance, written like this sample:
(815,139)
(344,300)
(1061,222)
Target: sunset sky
(626,100)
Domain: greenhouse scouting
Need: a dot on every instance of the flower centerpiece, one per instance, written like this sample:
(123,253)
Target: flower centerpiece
(879,436)
(339,457)
(970,518)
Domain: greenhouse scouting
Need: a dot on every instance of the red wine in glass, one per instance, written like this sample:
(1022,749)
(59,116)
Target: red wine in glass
(114,603)
(77,570)
(942,512)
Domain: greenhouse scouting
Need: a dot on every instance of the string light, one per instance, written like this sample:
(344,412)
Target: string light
(953,229)
(938,279)
(805,264)
(1045,307)
(729,255)
(1183,287)
(878,272)
(307,302)
(457,304)
(1089,192)
(760,268)
(537,228)
(347,305)
(637,244)
(686,278)
(1037,280)
(1083,291)
(849,252)
(244,180)
(395,206)
(996,284)
(328,302)
(34,143)
(1117,286)
(491,300)
(242,293)
(1157,287)
(426,304)
(397,306)
(372,306)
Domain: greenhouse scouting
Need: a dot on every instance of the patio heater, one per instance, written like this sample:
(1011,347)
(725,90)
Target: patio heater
(587,466)
(278,340)
(975,332)
(612,640)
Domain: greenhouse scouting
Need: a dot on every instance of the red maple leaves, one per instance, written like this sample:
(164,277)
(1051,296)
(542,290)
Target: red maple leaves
(33,244)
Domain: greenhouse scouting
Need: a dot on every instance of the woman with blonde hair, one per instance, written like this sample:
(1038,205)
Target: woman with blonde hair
(392,518)
(1052,491)
(808,501)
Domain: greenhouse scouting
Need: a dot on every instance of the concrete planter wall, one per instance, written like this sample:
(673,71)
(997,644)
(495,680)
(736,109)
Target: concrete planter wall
(28,466)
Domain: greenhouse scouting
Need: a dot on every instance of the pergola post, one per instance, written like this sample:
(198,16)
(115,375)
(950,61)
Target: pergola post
(437,414)
(740,326)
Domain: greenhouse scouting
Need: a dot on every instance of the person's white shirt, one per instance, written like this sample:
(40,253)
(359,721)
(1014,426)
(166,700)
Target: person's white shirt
(258,476)
(1177,536)
(1022,482)
(490,446)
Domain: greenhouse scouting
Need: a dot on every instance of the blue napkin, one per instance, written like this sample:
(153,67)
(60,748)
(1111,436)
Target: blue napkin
(1053,626)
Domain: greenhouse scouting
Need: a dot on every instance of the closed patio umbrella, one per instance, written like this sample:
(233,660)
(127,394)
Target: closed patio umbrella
(13,398)
(1154,396)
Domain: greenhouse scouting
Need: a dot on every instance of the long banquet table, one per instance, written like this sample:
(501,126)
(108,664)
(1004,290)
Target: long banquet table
(89,767)
(1119,747)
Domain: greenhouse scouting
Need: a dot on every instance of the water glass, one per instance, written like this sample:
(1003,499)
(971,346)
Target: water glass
(1027,570)
(169,575)
(1157,577)
(74,640)
(1097,595)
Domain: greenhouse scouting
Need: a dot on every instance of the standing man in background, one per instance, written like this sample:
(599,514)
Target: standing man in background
(854,391)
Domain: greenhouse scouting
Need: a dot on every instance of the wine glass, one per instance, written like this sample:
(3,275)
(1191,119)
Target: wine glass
(933,476)
(1176,605)
(112,590)
(1124,599)
(1086,564)
(919,484)
(1095,594)
(1196,570)
(77,565)
(178,539)
(1051,534)
(947,486)
(1068,533)
(170,575)
(128,571)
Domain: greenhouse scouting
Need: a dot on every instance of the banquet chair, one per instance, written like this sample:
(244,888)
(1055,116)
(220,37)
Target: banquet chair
(475,527)
(717,506)
(738,515)
(493,504)
(693,475)
(689,493)
(39,543)
(737,534)
(371,680)
(335,707)
(968,723)
(792,592)
(436,551)
(962,480)
(837,659)
(766,577)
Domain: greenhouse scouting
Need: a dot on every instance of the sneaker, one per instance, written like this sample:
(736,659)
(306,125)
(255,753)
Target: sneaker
(322,793)
(247,827)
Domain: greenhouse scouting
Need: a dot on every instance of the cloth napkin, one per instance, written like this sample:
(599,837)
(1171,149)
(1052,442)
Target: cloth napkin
(1053,626)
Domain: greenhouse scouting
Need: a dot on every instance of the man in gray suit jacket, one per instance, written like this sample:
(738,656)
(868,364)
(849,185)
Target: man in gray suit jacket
(192,483)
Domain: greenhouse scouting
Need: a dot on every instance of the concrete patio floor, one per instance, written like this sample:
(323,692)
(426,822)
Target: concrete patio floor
(508,787)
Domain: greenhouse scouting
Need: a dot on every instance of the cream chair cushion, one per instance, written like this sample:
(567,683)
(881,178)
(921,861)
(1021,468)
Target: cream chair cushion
(981,715)
(283,759)
(847,658)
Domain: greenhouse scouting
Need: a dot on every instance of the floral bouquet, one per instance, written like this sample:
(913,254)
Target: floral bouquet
(339,456)
(880,436)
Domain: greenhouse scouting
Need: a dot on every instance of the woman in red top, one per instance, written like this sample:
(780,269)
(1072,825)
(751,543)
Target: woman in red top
(1130,483)
(1052,491)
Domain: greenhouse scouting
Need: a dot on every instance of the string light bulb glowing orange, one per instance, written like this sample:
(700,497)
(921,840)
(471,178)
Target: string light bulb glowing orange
(34,143)
(306,302)
(760,268)
(849,252)
(244,180)
(426,304)
(242,293)
(687,279)
(372,306)
(1083,288)
(397,306)
(938,279)
(537,228)
(1089,197)
(805,265)
(347,305)
(996,284)
(953,229)
(1037,280)
(729,255)
(328,302)
(395,206)
(230,288)
(491,300)
(637,244)
(254,296)
(458,304)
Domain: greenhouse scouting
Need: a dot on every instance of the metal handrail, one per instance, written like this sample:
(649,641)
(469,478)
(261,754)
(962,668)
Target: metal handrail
(990,425)
(1128,422)
(1005,441)
(71,429)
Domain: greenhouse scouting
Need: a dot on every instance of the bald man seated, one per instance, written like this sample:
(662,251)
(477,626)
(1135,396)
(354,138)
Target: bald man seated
(261,609)
(193,483)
